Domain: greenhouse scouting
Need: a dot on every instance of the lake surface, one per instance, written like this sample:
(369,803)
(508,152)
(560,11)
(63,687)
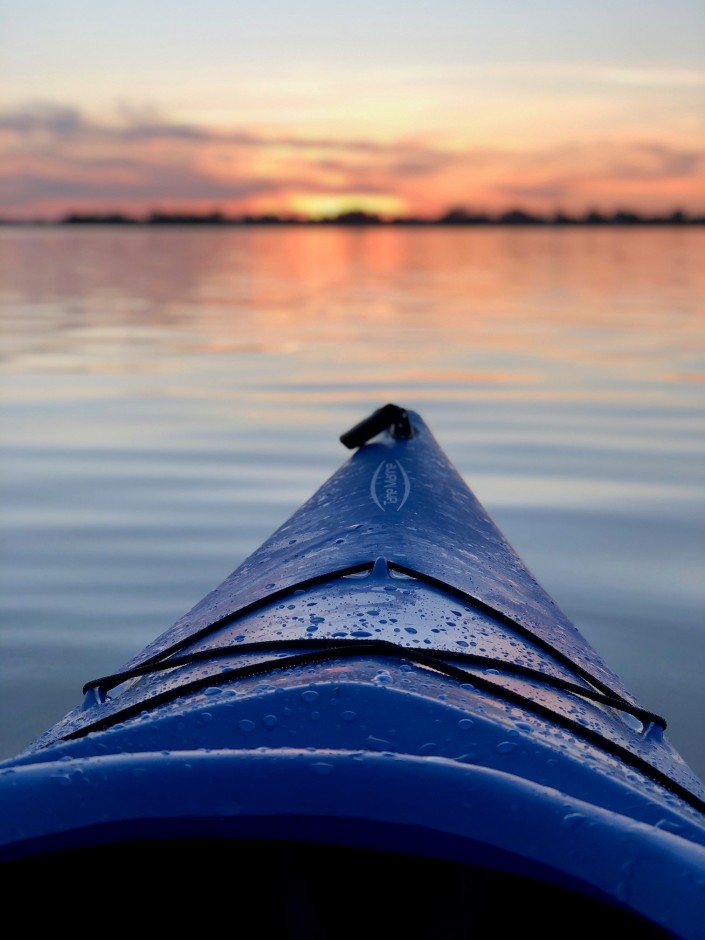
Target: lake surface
(170,396)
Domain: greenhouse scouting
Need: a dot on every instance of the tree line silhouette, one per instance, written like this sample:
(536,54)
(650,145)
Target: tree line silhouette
(457,217)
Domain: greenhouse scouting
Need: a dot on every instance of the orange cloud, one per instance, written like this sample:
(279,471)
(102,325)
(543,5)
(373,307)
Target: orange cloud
(56,159)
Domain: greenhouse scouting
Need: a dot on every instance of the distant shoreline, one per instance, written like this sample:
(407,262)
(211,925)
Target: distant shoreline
(454,218)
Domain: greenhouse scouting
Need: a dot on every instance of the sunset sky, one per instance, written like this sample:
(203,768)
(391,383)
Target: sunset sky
(315,107)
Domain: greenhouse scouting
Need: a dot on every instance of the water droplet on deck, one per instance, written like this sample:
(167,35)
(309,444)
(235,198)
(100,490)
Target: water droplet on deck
(321,768)
(571,820)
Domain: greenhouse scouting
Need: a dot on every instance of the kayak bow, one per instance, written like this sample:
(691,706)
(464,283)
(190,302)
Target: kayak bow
(381,691)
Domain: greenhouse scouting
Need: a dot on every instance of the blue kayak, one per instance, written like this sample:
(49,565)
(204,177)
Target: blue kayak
(378,722)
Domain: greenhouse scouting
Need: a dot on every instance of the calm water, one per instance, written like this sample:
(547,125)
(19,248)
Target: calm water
(171,396)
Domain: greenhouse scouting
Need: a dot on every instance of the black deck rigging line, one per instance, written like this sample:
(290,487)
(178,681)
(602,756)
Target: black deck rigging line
(427,656)
(458,593)
(360,647)
(262,601)
(511,622)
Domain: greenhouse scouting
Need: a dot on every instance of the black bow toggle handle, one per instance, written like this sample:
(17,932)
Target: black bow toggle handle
(389,417)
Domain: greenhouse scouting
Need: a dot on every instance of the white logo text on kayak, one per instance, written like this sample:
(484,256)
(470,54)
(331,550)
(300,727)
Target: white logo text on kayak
(390,485)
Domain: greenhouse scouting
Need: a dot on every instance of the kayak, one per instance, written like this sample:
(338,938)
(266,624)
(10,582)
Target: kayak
(379,721)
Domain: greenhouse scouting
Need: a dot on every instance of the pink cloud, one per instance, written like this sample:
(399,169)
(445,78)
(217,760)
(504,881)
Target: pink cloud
(57,159)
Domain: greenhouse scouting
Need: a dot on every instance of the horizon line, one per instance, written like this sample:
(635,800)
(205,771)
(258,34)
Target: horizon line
(514,216)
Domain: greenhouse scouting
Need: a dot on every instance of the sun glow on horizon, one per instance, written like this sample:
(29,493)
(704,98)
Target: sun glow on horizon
(332,205)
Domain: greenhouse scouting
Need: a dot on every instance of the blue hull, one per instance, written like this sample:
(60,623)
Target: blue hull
(381,691)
